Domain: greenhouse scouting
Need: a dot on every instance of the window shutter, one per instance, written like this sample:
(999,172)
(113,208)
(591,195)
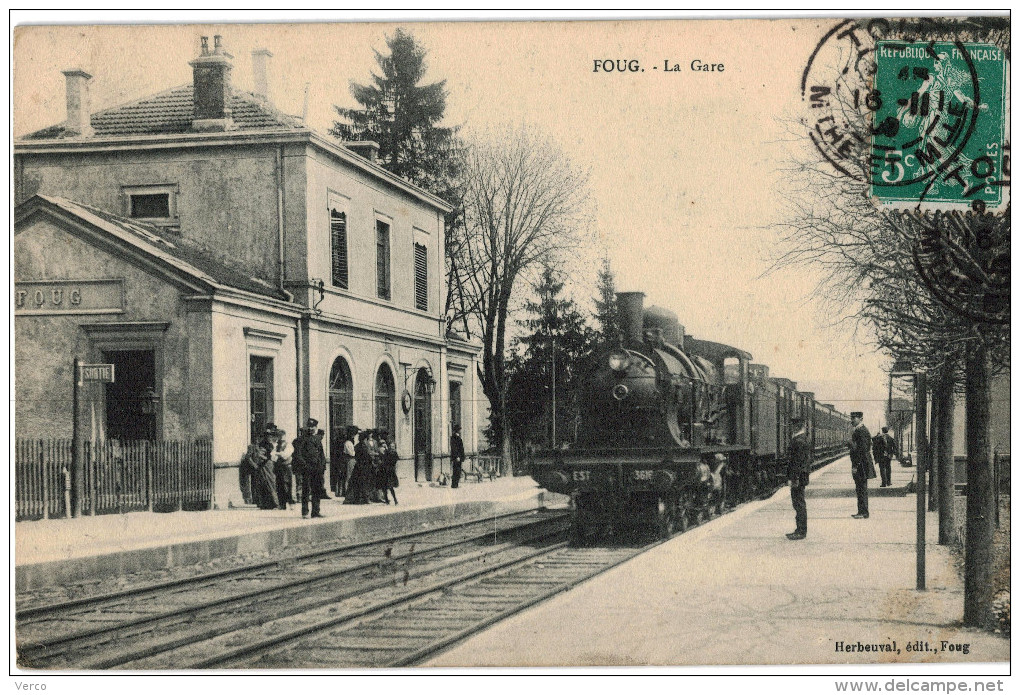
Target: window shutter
(338,242)
(382,259)
(421,278)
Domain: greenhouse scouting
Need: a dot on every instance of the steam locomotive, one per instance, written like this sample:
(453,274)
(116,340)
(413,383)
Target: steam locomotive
(674,429)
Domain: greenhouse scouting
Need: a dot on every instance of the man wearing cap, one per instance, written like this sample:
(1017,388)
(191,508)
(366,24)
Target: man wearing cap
(310,459)
(798,472)
(862,465)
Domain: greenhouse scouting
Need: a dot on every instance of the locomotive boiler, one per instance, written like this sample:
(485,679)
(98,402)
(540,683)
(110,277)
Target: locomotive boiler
(673,429)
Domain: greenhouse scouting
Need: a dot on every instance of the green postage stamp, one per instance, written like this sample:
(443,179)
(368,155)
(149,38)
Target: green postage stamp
(940,137)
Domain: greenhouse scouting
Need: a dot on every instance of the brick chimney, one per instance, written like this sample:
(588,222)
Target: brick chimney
(260,61)
(79,106)
(212,87)
(366,149)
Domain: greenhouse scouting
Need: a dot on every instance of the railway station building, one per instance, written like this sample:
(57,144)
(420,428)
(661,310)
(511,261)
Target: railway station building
(237,268)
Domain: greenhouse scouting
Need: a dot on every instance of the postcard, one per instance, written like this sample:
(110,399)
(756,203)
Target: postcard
(559,343)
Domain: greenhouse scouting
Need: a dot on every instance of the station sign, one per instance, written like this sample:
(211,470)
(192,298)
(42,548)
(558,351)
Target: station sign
(101,373)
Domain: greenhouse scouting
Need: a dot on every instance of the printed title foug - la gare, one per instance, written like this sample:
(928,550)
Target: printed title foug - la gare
(625,65)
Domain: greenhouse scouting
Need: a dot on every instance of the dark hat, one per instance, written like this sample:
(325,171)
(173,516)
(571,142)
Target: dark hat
(797,421)
(456,428)
(857,413)
(312,423)
(885,429)
(270,426)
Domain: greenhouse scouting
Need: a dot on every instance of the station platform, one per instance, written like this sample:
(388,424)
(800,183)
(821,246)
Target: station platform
(736,591)
(54,552)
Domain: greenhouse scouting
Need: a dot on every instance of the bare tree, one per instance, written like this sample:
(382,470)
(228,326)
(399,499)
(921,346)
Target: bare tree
(524,202)
(870,274)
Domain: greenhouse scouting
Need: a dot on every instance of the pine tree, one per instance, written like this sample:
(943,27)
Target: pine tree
(402,116)
(606,311)
(554,350)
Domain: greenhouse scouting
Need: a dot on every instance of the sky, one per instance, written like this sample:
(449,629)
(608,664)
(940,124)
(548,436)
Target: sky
(687,167)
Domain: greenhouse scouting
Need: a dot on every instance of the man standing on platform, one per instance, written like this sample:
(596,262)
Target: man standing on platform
(890,449)
(882,448)
(310,459)
(862,465)
(456,455)
(798,471)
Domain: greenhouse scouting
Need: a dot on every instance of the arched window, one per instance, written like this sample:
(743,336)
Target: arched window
(385,400)
(341,401)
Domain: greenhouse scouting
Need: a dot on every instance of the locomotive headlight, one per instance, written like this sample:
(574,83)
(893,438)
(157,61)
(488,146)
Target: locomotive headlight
(619,361)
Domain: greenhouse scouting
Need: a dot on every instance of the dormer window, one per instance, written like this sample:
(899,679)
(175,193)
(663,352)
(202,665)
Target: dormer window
(153,204)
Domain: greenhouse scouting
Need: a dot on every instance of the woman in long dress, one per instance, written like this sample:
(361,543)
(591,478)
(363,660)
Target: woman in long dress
(388,476)
(361,482)
(247,471)
(375,493)
(264,480)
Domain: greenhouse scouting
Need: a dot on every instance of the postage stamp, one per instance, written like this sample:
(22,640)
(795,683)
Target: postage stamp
(925,124)
(939,134)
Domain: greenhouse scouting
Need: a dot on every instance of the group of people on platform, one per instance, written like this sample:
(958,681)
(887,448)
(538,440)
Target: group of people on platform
(367,470)
(273,470)
(865,452)
(266,477)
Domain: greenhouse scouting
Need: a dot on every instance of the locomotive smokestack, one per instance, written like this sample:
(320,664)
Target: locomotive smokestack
(632,315)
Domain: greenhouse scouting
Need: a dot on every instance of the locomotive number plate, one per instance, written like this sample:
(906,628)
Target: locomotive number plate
(642,475)
(582,476)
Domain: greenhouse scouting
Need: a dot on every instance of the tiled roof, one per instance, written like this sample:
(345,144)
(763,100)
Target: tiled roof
(158,243)
(172,112)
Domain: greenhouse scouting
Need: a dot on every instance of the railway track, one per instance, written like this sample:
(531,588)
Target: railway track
(115,629)
(358,606)
(382,603)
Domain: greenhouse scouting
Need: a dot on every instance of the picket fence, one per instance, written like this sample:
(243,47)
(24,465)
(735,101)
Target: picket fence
(119,477)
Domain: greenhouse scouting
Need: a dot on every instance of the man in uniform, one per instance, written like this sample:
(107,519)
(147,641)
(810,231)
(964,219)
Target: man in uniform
(862,465)
(310,459)
(456,455)
(798,471)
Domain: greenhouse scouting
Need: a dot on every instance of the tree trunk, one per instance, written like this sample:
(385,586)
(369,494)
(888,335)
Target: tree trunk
(977,598)
(942,422)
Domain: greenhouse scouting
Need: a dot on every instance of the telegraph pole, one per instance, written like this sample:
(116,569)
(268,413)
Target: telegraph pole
(921,418)
(553,391)
(77,446)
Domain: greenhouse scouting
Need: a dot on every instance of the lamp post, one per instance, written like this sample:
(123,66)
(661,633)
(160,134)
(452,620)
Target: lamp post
(554,391)
(910,380)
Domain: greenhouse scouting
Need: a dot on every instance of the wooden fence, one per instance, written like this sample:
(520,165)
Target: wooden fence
(118,477)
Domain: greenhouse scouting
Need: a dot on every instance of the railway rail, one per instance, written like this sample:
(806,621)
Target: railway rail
(109,630)
(382,603)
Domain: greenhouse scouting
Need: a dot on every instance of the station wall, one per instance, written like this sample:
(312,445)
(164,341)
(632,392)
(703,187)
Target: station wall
(139,311)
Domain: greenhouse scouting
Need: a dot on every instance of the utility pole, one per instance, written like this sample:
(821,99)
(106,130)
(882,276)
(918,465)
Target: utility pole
(77,446)
(921,420)
(553,391)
